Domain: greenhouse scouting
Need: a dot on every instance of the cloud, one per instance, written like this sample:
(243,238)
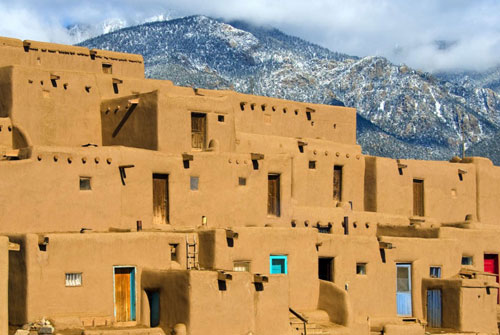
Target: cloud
(405,31)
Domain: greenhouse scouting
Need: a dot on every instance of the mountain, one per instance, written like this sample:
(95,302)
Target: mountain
(402,112)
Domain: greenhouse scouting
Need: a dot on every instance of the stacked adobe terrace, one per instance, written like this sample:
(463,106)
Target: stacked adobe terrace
(135,204)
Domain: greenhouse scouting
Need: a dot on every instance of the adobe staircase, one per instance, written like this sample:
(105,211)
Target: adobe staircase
(316,322)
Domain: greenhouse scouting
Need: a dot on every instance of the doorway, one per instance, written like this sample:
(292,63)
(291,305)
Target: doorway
(124,286)
(154,307)
(434,308)
(325,268)
(160,199)
(403,289)
(491,266)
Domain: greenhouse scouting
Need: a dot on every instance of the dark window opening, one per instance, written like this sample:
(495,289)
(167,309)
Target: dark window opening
(85,184)
(242,106)
(308,115)
(259,287)
(115,88)
(252,106)
(418,197)
(324,229)
(325,268)
(54,82)
(198,130)
(337,183)
(301,149)
(107,68)
(460,176)
(242,181)
(467,260)
(173,252)
(230,242)
(361,268)
(435,272)
(273,195)
(222,285)
(400,170)
(312,165)
(220,118)
(255,164)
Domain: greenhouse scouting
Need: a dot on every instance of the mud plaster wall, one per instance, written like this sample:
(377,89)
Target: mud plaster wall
(4,284)
(298,245)
(488,190)
(446,197)
(93,255)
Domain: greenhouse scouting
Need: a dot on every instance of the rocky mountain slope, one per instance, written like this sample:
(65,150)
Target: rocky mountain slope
(402,112)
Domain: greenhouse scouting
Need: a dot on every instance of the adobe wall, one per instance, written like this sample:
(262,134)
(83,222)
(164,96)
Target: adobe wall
(374,294)
(4,284)
(298,244)
(237,307)
(446,197)
(93,255)
(60,57)
(488,189)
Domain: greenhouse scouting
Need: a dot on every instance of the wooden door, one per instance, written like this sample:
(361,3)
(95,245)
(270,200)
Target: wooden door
(418,197)
(434,308)
(124,294)
(160,199)
(273,194)
(198,130)
(491,266)
(337,183)
(403,289)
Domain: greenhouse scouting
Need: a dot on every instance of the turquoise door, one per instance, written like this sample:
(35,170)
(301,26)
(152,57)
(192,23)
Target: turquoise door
(403,289)
(278,264)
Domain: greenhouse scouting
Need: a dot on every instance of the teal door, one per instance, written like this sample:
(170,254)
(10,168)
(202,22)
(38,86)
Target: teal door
(403,289)
(278,264)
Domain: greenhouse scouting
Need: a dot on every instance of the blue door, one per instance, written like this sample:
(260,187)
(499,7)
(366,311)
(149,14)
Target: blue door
(278,264)
(403,289)
(154,307)
(434,308)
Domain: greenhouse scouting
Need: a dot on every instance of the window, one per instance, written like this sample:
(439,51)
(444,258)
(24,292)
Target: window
(435,272)
(107,68)
(220,118)
(278,264)
(193,183)
(361,268)
(241,266)
(418,197)
(273,198)
(73,279)
(85,184)
(173,252)
(337,183)
(325,268)
(242,181)
(467,260)
(198,130)
(312,165)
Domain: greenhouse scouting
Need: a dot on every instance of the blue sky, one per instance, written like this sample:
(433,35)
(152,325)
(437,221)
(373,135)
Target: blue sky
(426,34)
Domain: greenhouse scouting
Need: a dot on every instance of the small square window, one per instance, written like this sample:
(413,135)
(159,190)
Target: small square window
(435,272)
(279,264)
(312,165)
(466,260)
(73,279)
(220,118)
(85,184)
(173,252)
(361,268)
(193,183)
(107,68)
(242,181)
(241,266)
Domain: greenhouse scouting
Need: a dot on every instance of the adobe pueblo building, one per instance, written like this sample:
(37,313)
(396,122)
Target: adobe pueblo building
(133,206)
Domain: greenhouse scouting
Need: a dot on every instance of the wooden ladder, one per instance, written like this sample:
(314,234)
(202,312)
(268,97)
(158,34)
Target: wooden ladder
(192,253)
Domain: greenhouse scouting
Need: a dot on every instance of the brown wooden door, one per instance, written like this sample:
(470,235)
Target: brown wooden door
(418,197)
(337,183)
(160,199)
(198,130)
(273,194)
(122,295)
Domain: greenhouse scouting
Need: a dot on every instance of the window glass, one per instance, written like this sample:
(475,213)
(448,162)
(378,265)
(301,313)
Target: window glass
(278,264)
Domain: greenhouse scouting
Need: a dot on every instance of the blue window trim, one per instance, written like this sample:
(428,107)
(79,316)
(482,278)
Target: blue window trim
(282,257)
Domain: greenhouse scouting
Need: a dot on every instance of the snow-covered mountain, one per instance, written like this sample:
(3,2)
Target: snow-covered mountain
(402,112)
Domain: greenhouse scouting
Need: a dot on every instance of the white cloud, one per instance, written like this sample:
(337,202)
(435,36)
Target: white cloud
(402,30)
